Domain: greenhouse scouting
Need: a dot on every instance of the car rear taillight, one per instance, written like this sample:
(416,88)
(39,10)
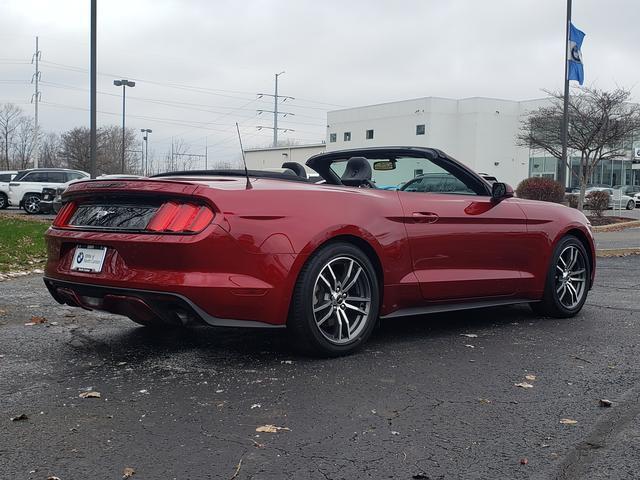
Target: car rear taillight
(64,215)
(180,217)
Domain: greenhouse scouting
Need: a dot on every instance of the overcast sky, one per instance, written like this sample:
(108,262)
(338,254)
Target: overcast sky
(198,64)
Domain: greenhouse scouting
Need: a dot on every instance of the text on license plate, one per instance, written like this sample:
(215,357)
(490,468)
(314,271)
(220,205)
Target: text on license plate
(88,258)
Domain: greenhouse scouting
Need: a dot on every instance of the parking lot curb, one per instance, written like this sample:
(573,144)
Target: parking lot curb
(617,252)
(617,226)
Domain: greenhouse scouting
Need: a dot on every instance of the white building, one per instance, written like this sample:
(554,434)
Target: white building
(480,132)
(274,157)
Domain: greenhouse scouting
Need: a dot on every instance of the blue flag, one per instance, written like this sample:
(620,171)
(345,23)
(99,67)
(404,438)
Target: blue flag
(575,69)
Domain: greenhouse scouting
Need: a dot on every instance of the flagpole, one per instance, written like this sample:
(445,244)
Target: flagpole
(562,168)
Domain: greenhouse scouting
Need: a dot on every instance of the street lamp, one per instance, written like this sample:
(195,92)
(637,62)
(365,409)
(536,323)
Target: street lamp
(124,84)
(145,139)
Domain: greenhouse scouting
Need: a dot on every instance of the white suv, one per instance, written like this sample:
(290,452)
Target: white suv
(5,178)
(25,190)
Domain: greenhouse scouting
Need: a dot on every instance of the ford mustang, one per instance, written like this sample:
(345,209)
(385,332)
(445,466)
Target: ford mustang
(387,232)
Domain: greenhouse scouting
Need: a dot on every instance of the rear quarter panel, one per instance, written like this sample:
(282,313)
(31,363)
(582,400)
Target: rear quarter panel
(299,219)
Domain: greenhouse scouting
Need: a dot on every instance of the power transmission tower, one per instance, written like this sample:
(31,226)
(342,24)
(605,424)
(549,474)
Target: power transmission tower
(35,98)
(275,111)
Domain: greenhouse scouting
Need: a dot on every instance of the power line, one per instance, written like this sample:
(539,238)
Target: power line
(197,89)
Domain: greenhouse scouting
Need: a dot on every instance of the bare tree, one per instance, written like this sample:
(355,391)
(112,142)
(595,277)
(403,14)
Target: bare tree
(24,143)
(75,146)
(50,150)
(10,116)
(601,125)
(75,149)
(177,157)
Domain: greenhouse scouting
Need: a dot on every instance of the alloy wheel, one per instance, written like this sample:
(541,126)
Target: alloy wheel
(32,204)
(571,277)
(342,300)
(3,202)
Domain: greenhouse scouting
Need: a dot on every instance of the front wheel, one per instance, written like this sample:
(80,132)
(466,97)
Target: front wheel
(31,204)
(567,281)
(4,201)
(335,302)
(630,205)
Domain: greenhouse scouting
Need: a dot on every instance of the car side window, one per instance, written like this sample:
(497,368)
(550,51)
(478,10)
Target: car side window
(31,177)
(5,177)
(437,180)
(74,176)
(56,177)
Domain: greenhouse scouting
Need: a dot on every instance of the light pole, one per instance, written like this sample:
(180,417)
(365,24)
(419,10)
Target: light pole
(124,84)
(145,138)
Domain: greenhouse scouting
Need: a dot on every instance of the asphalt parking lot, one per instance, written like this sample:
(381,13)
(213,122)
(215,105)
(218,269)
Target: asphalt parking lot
(427,398)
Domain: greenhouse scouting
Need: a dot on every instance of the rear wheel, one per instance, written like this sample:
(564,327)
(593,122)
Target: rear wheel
(4,201)
(31,203)
(567,282)
(335,302)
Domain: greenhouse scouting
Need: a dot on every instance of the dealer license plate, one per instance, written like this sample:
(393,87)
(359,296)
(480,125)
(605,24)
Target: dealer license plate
(88,258)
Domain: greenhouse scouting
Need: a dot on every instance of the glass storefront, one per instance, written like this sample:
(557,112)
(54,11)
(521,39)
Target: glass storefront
(608,172)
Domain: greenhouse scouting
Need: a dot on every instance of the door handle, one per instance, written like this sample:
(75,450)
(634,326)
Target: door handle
(425,217)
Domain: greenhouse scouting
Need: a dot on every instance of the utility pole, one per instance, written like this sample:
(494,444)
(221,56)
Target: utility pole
(92,95)
(275,111)
(35,99)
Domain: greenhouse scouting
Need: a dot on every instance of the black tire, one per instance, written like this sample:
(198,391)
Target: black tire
(4,201)
(306,334)
(31,203)
(631,205)
(552,304)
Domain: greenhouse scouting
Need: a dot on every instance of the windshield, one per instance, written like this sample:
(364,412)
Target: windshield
(410,174)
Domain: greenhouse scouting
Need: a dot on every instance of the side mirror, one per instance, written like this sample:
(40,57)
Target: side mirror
(500,191)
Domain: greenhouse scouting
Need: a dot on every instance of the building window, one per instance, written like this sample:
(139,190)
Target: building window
(347,136)
(333,137)
(420,129)
(369,135)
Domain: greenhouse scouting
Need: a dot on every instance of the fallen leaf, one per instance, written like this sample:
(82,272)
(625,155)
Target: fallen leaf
(523,385)
(271,429)
(484,401)
(19,418)
(568,421)
(128,472)
(36,320)
(605,403)
(530,377)
(2,312)
(91,394)
(524,461)
(470,335)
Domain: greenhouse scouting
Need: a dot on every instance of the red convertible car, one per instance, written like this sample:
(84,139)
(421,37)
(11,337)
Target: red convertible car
(388,232)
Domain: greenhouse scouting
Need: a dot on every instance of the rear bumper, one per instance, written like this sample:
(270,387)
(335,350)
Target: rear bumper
(209,275)
(141,305)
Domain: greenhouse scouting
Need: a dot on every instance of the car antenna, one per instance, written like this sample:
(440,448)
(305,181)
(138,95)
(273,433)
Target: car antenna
(244,160)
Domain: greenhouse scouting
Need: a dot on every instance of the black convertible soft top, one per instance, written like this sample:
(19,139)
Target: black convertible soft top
(234,173)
